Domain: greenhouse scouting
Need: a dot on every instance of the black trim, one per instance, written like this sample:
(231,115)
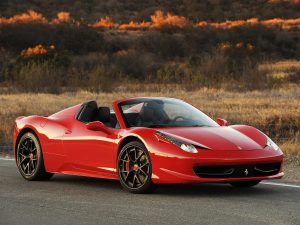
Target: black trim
(236,171)
(78,114)
(83,107)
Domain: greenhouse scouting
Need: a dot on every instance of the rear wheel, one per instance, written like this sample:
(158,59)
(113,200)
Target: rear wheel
(245,184)
(134,168)
(30,158)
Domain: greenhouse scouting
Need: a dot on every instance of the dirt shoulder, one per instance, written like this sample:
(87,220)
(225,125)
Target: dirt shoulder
(291,168)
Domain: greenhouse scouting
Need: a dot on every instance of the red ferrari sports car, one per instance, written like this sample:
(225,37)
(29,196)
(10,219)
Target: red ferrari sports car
(143,142)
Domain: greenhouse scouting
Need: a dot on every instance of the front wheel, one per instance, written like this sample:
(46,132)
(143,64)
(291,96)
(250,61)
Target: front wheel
(245,184)
(30,158)
(135,168)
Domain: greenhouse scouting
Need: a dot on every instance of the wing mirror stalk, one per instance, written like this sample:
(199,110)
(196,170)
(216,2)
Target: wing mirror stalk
(222,122)
(98,126)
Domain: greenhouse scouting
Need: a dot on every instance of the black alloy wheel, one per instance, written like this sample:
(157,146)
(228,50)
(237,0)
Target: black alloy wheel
(30,159)
(134,168)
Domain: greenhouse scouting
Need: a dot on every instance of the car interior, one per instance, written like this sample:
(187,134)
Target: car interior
(89,112)
(150,114)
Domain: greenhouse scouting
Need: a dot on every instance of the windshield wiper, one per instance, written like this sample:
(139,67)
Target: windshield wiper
(166,125)
(158,125)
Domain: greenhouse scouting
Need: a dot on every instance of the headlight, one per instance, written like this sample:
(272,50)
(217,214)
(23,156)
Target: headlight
(184,146)
(272,144)
(188,148)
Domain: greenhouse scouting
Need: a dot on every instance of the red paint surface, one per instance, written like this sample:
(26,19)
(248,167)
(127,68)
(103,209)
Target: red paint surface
(70,148)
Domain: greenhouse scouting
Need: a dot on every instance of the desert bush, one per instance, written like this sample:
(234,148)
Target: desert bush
(131,63)
(99,80)
(95,78)
(287,43)
(217,10)
(256,41)
(253,79)
(215,68)
(268,41)
(88,61)
(183,75)
(115,42)
(38,77)
(199,41)
(215,57)
(77,39)
(167,46)
(41,54)
(294,75)
(5,59)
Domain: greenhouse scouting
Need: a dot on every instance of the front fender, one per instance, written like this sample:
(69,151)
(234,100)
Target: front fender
(161,153)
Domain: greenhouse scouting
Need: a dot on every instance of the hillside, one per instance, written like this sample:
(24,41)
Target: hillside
(51,46)
(140,10)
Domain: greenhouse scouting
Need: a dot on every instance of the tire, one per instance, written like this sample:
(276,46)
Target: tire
(29,158)
(245,184)
(135,168)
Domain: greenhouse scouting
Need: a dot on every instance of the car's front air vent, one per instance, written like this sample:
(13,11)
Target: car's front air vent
(234,171)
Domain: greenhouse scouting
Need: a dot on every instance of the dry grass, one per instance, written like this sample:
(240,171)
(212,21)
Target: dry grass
(276,112)
(282,69)
(291,146)
(280,65)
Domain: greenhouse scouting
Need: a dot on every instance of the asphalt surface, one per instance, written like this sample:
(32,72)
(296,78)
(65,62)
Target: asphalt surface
(79,200)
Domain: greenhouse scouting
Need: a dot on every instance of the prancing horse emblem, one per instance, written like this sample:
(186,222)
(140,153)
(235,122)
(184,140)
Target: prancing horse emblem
(246,172)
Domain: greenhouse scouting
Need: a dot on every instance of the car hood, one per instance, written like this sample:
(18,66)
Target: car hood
(215,138)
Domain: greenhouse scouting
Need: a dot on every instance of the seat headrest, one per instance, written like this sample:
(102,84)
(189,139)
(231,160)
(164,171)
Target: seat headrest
(104,114)
(147,114)
(88,112)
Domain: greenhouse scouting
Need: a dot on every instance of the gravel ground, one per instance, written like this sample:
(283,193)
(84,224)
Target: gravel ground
(291,169)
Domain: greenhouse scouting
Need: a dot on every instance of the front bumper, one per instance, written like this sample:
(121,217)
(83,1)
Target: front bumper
(168,168)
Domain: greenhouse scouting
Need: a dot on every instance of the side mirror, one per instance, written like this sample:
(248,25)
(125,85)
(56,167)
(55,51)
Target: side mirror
(221,122)
(98,126)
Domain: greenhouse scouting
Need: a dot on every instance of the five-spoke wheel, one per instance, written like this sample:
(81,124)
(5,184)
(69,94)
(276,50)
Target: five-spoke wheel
(134,168)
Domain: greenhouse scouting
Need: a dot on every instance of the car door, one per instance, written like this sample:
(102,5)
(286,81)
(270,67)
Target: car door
(90,152)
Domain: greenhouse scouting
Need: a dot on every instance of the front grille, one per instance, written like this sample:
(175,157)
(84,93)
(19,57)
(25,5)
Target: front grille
(235,171)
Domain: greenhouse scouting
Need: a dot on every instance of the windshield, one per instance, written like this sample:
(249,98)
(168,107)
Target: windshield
(162,113)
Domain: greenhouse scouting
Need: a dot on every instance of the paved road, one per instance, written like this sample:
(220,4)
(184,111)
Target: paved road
(78,200)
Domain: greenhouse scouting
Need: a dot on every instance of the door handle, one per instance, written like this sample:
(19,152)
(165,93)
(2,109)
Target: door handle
(68,131)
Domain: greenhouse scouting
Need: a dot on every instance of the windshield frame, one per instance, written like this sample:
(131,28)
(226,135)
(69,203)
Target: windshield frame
(173,100)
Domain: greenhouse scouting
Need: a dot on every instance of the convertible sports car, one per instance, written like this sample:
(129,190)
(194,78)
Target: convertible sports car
(144,142)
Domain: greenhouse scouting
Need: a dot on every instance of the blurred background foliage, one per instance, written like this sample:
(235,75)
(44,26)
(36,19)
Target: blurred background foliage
(59,45)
